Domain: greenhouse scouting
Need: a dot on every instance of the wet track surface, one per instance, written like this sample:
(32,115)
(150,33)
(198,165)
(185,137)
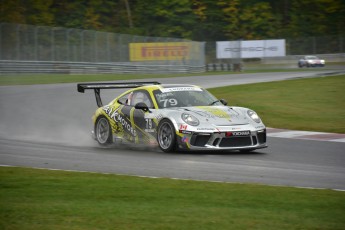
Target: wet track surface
(48,126)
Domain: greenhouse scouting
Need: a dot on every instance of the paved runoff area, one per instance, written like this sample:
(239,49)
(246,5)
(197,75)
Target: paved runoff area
(307,135)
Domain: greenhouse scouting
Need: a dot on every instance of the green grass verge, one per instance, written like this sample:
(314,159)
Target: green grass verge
(314,104)
(43,199)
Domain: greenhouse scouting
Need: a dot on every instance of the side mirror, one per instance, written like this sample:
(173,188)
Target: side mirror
(142,106)
(223,101)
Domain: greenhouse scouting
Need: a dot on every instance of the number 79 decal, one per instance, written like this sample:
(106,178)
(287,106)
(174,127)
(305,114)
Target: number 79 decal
(170,102)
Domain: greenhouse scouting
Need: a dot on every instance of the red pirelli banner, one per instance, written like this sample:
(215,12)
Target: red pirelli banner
(159,51)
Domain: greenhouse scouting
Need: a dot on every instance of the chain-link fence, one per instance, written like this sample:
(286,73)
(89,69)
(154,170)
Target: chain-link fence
(53,44)
(330,44)
(55,49)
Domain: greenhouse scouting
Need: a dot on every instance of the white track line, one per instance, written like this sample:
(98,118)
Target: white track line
(309,135)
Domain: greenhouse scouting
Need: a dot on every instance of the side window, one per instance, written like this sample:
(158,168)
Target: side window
(141,96)
(125,99)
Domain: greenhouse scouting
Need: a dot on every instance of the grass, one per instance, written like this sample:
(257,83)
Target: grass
(43,199)
(314,104)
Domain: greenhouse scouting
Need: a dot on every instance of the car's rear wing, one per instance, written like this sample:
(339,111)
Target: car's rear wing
(116,85)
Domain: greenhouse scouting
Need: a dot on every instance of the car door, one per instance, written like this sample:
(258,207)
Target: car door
(120,113)
(145,127)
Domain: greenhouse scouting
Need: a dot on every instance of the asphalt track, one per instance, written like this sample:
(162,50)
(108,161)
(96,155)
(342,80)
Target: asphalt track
(48,126)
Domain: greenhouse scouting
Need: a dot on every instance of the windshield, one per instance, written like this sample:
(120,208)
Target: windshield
(312,57)
(184,97)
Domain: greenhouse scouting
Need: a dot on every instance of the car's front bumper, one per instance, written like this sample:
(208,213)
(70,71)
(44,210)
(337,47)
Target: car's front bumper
(221,141)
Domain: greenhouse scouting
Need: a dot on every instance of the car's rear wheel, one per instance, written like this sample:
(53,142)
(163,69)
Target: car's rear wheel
(166,136)
(103,131)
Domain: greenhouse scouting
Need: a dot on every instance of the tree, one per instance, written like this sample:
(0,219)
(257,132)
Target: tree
(12,11)
(35,12)
(316,18)
(209,21)
(254,21)
(201,20)
(38,12)
(166,18)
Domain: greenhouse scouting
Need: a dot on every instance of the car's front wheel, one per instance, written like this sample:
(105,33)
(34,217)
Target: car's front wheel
(166,136)
(103,131)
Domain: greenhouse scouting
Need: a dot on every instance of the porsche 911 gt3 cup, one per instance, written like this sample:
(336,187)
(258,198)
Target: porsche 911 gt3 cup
(174,116)
(311,61)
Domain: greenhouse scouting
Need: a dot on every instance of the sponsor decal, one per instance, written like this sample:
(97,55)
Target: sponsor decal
(119,119)
(185,139)
(208,129)
(160,51)
(175,89)
(164,51)
(251,48)
(185,132)
(237,133)
(183,127)
(213,113)
(159,116)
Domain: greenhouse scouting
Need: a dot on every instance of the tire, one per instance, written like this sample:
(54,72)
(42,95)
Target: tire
(166,136)
(103,131)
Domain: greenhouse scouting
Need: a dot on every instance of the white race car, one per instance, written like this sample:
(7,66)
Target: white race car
(311,61)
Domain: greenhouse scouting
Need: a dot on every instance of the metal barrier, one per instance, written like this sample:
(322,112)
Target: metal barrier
(9,67)
(286,62)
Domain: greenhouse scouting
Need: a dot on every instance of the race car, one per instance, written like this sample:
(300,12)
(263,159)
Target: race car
(311,61)
(174,117)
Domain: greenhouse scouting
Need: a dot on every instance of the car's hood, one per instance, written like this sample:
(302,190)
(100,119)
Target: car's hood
(218,115)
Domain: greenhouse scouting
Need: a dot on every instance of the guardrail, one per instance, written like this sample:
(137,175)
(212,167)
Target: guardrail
(11,67)
(286,62)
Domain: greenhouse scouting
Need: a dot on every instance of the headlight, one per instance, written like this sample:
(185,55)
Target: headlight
(254,116)
(190,119)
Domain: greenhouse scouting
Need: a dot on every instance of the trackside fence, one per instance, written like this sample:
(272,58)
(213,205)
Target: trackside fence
(42,49)
(27,48)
